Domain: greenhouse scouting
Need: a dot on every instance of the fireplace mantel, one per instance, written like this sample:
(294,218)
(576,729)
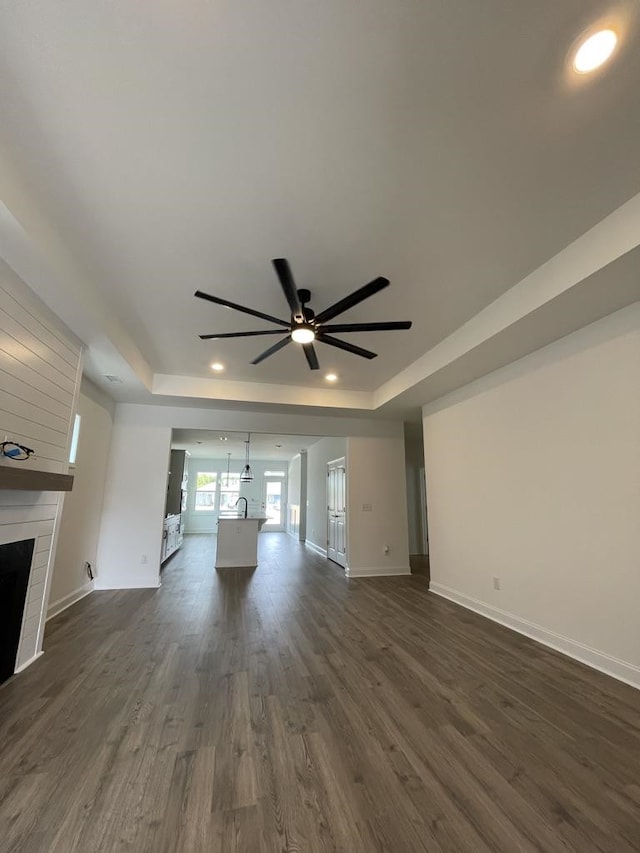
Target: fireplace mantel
(26,479)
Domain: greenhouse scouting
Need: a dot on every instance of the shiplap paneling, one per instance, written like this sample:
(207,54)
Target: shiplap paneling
(28,312)
(40,371)
(37,382)
(48,350)
(33,431)
(38,575)
(39,364)
(47,404)
(30,413)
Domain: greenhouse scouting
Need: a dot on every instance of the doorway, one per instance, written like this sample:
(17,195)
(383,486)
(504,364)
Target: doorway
(337,512)
(273,499)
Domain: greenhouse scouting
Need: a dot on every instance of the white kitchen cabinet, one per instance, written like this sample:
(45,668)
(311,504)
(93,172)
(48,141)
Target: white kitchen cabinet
(171,536)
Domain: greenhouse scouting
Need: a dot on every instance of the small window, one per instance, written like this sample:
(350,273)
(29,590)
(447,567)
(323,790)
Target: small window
(229,491)
(275,474)
(206,484)
(75,436)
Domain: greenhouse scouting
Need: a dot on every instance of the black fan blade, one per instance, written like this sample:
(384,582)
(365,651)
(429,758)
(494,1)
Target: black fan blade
(368,327)
(219,301)
(312,358)
(283,271)
(336,342)
(353,299)
(216,337)
(272,349)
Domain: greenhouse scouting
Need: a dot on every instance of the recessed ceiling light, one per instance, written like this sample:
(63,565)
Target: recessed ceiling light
(223,438)
(303,334)
(594,51)
(217,366)
(331,377)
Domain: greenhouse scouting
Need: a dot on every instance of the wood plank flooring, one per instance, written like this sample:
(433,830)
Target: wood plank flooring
(288,710)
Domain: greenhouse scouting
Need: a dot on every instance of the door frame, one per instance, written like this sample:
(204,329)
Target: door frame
(340,558)
(276,528)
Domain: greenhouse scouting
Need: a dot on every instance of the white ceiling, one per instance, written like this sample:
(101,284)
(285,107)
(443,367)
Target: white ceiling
(205,444)
(153,149)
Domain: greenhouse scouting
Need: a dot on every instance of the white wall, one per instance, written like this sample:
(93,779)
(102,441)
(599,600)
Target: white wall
(416,511)
(534,477)
(294,491)
(318,455)
(134,503)
(376,478)
(82,512)
(304,505)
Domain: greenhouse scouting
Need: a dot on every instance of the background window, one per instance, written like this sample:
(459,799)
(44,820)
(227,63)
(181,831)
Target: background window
(229,491)
(75,436)
(206,483)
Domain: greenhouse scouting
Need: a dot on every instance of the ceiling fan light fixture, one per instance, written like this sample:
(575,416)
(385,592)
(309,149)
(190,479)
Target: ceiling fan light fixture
(303,334)
(304,326)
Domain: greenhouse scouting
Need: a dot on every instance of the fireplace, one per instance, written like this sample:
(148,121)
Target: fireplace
(15,567)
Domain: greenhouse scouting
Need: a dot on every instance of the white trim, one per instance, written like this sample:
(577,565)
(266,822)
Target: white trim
(28,662)
(377,571)
(129,586)
(313,547)
(616,668)
(230,563)
(67,600)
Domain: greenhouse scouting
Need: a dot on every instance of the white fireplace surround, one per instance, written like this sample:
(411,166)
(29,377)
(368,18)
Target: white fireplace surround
(40,372)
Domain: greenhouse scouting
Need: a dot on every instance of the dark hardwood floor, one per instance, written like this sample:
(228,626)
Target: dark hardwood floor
(419,564)
(287,709)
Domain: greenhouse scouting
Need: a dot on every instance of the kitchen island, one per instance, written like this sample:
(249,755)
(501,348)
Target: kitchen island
(237,543)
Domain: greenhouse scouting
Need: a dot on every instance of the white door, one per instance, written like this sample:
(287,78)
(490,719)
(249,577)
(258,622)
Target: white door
(274,503)
(337,512)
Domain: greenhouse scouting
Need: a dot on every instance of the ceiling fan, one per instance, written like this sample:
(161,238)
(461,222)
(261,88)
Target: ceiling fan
(305,326)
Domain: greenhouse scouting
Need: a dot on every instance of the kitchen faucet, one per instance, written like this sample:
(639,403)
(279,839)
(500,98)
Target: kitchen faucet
(246,505)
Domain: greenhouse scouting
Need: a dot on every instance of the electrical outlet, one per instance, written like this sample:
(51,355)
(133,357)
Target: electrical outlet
(143,560)
(496,583)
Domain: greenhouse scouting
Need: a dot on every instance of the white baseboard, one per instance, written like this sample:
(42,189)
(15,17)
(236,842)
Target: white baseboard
(313,547)
(67,600)
(616,668)
(28,663)
(377,571)
(232,564)
(99,588)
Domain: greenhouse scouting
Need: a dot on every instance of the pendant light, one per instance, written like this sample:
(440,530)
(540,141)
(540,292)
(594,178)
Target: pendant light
(247,474)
